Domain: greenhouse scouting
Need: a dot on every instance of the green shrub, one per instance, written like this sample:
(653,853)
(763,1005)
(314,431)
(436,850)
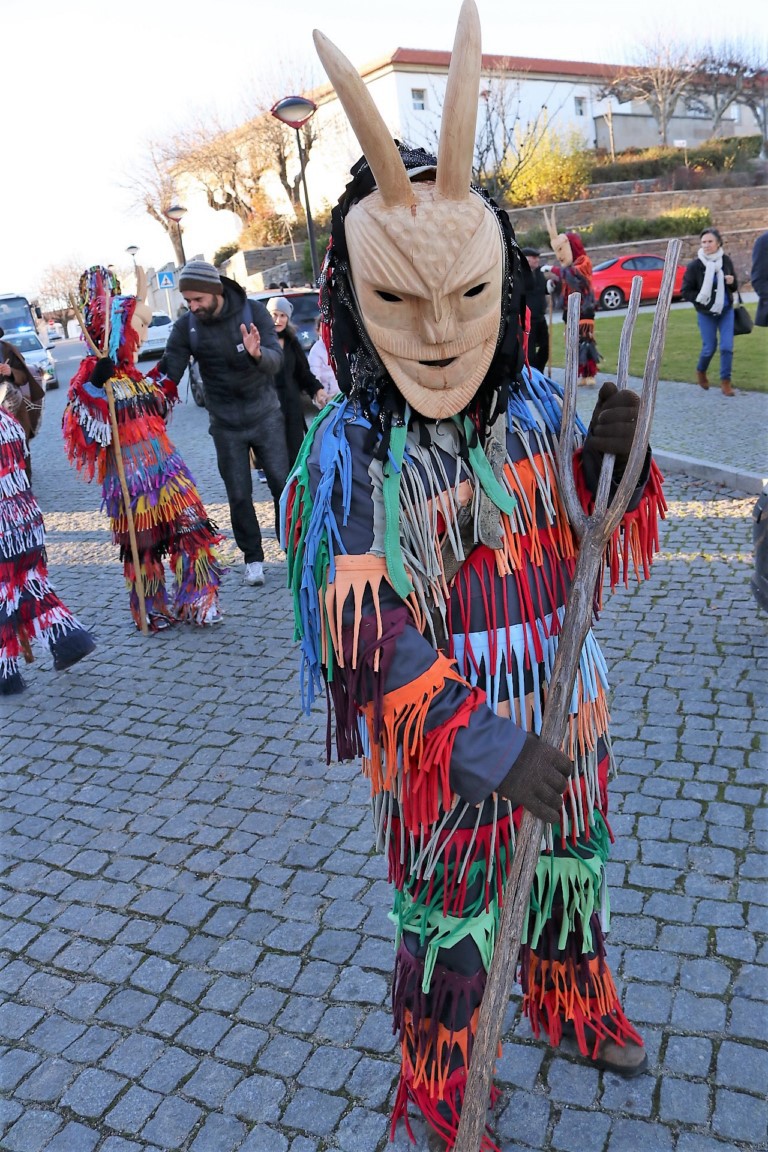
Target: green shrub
(626,229)
(717,155)
(223,254)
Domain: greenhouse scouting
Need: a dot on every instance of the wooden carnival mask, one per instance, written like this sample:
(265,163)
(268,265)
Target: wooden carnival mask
(142,313)
(561,245)
(426,258)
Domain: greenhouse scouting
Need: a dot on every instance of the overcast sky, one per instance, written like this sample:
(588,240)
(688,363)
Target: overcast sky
(86,84)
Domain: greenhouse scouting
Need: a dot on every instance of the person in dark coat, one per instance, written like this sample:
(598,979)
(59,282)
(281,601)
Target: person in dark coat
(759,278)
(294,377)
(538,339)
(234,342)
(709,284)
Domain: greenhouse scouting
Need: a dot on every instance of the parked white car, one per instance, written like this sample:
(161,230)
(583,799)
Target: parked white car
(36,357)
(157,334)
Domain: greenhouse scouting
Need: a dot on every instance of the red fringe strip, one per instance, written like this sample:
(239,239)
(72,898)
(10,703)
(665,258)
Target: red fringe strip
(454,847)
(636,540)
(446,1126)
(556,990)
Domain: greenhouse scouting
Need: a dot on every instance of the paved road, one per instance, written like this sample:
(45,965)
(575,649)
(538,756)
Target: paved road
(195,947)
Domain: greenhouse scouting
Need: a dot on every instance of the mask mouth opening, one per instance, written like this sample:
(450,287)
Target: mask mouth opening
(438,363)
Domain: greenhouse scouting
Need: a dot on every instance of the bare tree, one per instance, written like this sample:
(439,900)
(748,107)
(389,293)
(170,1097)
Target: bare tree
(154,191)
(715,82)
(58,285)
(505,144)
(213,156)
(753,93)
(659,78)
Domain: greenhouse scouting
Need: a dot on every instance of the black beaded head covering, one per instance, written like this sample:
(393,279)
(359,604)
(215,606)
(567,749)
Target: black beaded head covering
(359,369)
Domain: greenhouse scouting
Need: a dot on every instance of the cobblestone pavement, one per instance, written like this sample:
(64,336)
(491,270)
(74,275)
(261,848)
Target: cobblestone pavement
(195,943)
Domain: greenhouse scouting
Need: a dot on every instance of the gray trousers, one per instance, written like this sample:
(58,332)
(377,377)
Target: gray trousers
(233,446)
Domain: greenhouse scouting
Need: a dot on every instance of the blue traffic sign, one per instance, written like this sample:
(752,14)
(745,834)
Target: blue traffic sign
(166,280)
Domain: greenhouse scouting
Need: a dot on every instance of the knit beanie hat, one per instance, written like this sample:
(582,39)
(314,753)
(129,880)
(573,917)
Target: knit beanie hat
(199,276)
(280,304)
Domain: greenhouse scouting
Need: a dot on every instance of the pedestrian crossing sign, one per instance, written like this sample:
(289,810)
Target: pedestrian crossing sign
(166,280)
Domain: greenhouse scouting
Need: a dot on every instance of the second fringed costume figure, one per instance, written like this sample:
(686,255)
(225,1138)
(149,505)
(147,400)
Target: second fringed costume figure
(169,516)
(430,561)
(573,276)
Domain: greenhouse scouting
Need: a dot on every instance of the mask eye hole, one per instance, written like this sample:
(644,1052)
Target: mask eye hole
(478,288)
(389,297)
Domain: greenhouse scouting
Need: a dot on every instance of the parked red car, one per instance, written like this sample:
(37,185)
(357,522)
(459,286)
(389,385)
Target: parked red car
(612,280)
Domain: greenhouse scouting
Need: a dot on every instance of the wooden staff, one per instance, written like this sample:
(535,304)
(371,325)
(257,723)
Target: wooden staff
(139,580)
(594,533)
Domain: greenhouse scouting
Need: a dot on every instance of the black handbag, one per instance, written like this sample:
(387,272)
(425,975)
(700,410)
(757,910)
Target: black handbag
(742,321)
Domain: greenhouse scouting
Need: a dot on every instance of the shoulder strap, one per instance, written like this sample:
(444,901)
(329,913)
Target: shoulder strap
(192,334)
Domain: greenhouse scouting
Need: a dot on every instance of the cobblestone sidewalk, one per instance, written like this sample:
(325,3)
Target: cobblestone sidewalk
(195,942)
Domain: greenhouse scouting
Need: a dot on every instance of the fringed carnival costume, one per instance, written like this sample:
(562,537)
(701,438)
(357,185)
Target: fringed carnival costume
(430,561)
(30,610)
(574,274)
(169,516)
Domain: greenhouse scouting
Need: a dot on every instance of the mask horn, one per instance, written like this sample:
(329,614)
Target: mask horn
(459,121)
(367,124)
(550,223)
(141,283)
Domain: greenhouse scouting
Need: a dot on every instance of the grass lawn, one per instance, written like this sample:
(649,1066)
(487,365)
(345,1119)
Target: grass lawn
(681,350)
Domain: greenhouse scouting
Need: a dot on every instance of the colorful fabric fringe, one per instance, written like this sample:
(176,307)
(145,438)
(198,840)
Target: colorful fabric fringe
(367,544)
(30,610)
(169,516)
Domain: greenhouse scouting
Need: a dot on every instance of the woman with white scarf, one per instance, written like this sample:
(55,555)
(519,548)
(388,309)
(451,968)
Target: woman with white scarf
(710,283)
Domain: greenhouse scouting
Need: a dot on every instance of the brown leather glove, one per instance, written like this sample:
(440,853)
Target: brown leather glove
(613,422)
(538,779)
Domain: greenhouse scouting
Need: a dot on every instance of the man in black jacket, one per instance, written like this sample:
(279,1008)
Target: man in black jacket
(538,339)
(234,342)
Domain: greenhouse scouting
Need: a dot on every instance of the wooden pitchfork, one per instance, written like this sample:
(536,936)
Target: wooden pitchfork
(118,459)
(594,532)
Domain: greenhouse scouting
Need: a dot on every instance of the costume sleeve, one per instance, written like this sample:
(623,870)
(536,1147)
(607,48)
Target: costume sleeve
(271,353)
(425,733)
(85,424)
(175,359)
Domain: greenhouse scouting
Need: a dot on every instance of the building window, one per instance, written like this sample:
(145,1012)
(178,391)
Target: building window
(418,99)
(580,105)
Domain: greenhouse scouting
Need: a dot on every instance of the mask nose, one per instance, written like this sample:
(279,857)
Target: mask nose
(438,323)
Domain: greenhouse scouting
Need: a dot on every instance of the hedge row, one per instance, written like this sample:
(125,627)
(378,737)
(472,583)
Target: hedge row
(624,229)
(637,164)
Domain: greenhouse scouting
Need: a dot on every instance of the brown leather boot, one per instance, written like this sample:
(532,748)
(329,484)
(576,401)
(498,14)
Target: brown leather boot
(701,380)
(725,388)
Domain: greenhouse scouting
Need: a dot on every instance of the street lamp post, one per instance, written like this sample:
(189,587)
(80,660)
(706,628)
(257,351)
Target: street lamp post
(295,111)
(175,213)
(132,249)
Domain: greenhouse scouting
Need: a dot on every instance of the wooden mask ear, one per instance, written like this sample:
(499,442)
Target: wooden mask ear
(459,120)
(367,124)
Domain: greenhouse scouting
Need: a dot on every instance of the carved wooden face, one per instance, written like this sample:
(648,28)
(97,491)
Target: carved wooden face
(428,282)
(561,246)
(142,314)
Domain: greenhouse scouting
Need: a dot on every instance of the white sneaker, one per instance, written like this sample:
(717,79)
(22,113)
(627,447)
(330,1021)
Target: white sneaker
(212,616)
(254,573)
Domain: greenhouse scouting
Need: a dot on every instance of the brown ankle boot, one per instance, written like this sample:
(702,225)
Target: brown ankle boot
(725,388)
(701,380)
